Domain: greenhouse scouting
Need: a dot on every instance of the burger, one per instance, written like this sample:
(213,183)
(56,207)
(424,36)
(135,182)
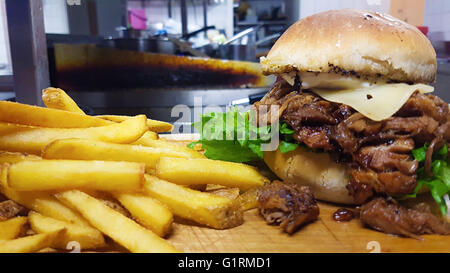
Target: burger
(353,86)
(358,123)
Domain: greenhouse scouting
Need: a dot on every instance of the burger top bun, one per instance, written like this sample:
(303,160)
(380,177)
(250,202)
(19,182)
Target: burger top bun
(359,42)
(326,178)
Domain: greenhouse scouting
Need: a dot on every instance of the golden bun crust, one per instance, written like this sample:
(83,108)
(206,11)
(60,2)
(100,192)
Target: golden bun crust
(359,42)
(326,179)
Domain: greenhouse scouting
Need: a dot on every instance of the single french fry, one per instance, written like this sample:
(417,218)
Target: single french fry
(51,207)
(32,243)
(12,157)
(42,202)
(13,112)
(121,229)
(160,143)
(206,171)
(56,98)
(49,175)
(25,199)
(12,228)
(84,149)
(20,138)
(87,237)
(249,199)
(148,212)
(147,136)
(204,208)
(153,125)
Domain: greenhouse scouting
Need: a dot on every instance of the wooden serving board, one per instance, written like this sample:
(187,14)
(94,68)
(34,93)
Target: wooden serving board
(324,235)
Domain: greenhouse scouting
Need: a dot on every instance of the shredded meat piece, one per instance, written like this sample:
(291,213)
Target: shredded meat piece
(315,137)
(378,152)
(10,209)
(441,134)
(387,157)
(310,109)
(289,205)
(386,215)
(427,105)
(412,126)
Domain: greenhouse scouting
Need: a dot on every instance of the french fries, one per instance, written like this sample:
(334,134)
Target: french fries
(204,208)
(147,136)
(205,171)
(84,177)
(20,138)
(51,207)
(32,243)
(87,237)
(41,202)
(75,174)
(12,228)
(153,125)
(120,228)
(11,157)
(58,99)
(148,212)
(160,143)
(97,150)
(249,199)
(13,112)
(25,199)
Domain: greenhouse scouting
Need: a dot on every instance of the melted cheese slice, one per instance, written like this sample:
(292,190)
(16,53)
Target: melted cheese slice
(327,81)
(377,102)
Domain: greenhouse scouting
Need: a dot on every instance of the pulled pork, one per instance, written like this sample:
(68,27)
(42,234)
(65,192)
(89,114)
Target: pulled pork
(386,215)
(378,152)
(289,205)
(10,209)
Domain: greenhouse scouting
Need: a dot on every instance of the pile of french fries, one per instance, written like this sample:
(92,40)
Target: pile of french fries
(93,181)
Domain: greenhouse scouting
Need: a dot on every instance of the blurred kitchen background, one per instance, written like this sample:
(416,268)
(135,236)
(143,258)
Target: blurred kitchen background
(145,56)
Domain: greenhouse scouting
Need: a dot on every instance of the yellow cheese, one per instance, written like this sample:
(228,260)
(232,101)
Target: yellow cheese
(328,80)
(376,102)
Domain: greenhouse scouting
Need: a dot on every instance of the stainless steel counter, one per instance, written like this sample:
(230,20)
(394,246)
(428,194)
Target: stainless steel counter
(158,104)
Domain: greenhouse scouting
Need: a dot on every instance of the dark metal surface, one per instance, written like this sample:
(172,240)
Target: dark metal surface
(28,49)
(6,83)
(162,97)
(442,84)
(230,52)
(159,104)
(205,14)
(155,45)
(184,23)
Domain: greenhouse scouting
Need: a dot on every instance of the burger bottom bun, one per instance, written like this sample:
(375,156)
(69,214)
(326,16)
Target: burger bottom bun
(326,178)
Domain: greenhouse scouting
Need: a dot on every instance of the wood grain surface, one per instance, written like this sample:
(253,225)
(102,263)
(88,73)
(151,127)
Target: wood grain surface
(324,235)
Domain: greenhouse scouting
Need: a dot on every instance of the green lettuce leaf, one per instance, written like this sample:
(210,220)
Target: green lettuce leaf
(233,136)
(286,147)
(439,182)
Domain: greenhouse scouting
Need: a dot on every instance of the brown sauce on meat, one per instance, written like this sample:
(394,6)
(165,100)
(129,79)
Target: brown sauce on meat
(288,205)
(378,153)
(343,215)
(387,215)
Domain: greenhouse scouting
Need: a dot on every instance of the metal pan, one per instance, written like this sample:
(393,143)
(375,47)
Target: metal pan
(155,44)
